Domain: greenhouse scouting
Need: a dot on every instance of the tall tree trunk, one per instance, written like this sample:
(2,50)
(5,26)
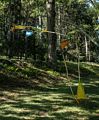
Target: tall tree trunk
(50,4)
(13,15)
(89,54)
(58,24)
(86,48)
(15,10)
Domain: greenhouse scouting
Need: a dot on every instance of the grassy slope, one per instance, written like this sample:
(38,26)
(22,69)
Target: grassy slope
(32,92)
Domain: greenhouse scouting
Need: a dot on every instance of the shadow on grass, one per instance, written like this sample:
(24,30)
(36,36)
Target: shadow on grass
(9,118)
(22,99)
(45,104)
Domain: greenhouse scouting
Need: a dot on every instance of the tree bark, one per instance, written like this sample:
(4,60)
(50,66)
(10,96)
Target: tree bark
(50,4)
(86,48)
(13,16)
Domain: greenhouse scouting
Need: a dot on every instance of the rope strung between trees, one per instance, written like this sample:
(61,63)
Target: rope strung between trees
(78,54)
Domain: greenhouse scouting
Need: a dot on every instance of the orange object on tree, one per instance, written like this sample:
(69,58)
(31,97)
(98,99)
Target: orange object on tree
(63,44)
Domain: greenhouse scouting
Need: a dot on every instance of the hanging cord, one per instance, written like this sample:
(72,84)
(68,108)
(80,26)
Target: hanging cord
(67,76)
(78,54)
(79,71)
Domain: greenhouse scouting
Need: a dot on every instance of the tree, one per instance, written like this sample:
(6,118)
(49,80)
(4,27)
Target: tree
(12,15)
(71,18)
(50,4)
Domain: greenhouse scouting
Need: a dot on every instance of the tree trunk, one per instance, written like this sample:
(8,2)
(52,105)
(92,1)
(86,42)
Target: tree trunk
(89,57)
(51,27)
(13,15)
(15,10)
(86,48)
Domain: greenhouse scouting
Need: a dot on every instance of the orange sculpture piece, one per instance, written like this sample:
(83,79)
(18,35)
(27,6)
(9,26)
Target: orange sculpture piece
(64,43)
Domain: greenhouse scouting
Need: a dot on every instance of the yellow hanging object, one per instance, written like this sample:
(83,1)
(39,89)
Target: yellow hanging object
(45,30)
(80,92)
(19,27)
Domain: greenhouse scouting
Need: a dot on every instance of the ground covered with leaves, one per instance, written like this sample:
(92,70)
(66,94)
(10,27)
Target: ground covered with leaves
(33,91)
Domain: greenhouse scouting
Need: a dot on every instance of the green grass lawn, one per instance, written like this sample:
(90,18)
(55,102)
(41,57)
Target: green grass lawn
(31,93)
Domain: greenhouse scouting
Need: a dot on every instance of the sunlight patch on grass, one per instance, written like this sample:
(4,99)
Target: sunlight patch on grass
(4,106)
(1,111)
(53,73)
(91,64)
(32,104)
(17,117)
(94,96)
(10,95)
(10,111)
(44,101)
(97,111)
(74,110)
(18,110)
(95,82)
(88,67)
(49,96)
(91,67)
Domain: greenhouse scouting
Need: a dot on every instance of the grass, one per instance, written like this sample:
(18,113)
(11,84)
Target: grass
(30,93)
